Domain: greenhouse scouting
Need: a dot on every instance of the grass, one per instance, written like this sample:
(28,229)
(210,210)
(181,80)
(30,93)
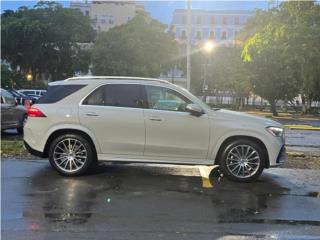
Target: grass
(12,148)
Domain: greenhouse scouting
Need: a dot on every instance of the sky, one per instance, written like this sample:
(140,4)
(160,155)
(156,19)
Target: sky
(162,10)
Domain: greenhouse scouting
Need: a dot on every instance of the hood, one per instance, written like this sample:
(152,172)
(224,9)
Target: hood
(245,118)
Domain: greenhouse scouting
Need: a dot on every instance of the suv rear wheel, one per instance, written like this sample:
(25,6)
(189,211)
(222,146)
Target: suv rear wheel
(71,154)
(242,161)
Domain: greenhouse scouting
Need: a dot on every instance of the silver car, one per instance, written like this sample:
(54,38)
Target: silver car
(126,119)
(12,114)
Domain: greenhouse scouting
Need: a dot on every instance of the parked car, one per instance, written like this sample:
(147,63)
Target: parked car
(35,93)
(84,119)
(12,114)
(23,99)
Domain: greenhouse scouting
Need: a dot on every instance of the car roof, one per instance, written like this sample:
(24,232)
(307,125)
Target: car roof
(99,79)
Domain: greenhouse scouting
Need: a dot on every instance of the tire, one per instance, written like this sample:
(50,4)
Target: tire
(20,129)
(242,161)
(74,162)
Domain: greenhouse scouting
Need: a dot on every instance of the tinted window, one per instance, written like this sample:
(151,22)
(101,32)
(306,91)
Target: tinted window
(58,92)
(160,98)
(8,97)
(116,95)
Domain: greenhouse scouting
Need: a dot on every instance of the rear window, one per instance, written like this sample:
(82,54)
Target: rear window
(58,92)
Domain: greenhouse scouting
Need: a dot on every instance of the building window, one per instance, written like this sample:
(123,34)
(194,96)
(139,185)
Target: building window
(224,20)
(212,20)
(128,19)
(184,19)
(224,36)
(103,20)
(211,36)
(87,13)
(183,34)
(199,20)
(198,36)
(111,20)
(237,20)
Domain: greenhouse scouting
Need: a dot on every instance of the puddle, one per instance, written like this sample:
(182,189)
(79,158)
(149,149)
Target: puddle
(70,218)
(273,221)
(314,194)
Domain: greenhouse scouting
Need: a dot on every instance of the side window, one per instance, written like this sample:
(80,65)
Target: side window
(8,97)
(160,98)
(116,95)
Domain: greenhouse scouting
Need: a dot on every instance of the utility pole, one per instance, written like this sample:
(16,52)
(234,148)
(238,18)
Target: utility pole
(188,45)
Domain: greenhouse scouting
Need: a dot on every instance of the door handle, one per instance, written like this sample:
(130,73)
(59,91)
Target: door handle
(92,114)
(155,118)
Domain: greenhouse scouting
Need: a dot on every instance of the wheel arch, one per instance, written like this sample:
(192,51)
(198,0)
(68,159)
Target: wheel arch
(230,139)
(63,131)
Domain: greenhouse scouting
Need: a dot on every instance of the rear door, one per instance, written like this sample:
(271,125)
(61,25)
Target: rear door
(114,114)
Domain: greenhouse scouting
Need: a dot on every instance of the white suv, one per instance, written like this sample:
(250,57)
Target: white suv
(125,119)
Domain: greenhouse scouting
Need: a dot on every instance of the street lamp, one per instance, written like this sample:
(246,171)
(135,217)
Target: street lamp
(207,48)
(29,76)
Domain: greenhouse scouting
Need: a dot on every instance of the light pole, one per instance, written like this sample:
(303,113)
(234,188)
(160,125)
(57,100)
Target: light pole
(207,48)
(188,45)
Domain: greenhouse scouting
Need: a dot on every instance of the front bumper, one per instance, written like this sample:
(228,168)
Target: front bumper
(33,151)
(282,155)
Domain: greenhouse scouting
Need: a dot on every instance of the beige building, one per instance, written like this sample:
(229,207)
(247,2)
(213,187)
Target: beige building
(108,14)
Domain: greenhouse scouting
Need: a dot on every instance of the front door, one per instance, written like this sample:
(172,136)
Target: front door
(171,132)
(114,114)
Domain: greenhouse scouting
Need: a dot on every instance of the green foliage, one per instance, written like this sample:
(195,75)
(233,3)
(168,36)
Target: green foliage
(138,48)
(225,71)
(6,76)
(45,40)
(283,52)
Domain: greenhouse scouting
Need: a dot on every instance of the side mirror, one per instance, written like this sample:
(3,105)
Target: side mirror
(194,109)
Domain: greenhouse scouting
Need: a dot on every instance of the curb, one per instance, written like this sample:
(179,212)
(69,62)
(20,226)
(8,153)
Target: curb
(284,116)
(302,127)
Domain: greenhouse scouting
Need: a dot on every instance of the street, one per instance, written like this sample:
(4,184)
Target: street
(143,201)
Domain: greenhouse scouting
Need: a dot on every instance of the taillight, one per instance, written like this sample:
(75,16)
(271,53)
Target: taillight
(35,112)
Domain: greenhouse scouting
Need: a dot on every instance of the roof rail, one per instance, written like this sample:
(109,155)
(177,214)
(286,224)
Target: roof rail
(115,78)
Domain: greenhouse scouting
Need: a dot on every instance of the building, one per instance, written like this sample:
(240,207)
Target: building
(108,14)
(218,26)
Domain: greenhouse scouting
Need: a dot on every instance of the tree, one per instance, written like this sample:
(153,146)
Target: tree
(225,71)
(45,40)
(138,48)
(282,50)
(6,76)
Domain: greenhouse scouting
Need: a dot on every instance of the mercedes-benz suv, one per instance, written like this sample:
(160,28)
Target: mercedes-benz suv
(124,119)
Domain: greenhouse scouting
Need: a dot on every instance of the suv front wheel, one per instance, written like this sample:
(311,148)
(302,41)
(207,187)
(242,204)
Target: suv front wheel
(71,154)
(242,161)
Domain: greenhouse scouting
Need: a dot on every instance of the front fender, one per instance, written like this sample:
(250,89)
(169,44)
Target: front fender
(234,133)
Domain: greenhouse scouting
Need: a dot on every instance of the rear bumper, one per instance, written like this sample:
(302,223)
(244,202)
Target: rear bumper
(33,151)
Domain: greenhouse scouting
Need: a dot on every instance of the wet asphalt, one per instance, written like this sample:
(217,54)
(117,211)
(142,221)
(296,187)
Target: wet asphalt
(144,201)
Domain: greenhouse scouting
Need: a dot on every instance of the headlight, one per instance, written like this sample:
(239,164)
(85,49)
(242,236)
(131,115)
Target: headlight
(275,131)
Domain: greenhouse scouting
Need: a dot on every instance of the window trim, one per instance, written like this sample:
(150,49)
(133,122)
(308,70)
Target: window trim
(144,97)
